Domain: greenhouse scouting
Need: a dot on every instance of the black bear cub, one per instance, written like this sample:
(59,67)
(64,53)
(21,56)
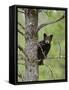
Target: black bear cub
(43,48)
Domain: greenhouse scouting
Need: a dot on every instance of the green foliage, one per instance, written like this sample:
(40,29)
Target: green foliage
(21,69)
(53,69)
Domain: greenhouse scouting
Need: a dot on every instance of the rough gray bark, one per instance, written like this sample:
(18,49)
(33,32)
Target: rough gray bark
(31,24)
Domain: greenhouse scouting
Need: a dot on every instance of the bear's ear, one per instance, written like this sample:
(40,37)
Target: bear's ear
(45,35)
(51,36)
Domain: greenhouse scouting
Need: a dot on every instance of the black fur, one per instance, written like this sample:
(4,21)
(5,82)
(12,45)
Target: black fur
(43,48)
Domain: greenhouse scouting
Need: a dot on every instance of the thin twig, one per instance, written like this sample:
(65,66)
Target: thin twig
(21,33)
(21,25)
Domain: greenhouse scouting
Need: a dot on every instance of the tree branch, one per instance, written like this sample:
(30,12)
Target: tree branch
(52,22)
(21,33)
(21,49)
(21,25)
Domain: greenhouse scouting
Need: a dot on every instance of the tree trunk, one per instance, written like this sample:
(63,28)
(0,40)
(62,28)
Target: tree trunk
(31,37)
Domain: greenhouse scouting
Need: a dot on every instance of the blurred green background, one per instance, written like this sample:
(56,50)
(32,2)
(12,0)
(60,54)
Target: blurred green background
(54,65)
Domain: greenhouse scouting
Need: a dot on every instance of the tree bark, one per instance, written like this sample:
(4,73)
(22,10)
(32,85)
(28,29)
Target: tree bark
(31,37)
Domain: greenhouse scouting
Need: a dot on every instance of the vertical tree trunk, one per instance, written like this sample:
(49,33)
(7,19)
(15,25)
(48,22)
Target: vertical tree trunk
(31,37)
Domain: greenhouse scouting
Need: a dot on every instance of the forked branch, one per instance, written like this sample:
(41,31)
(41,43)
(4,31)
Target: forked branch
(52,22)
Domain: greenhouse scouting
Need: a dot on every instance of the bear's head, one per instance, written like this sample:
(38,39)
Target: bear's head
(48,39)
